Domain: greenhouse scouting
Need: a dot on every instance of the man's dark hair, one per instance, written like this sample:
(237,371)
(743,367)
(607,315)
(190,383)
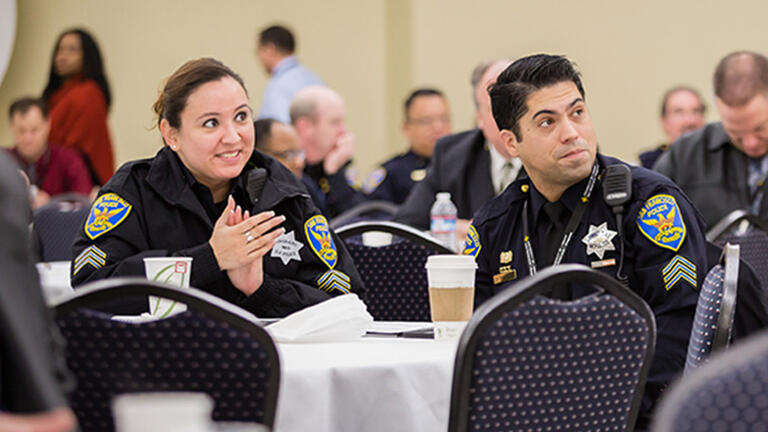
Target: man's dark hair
(740,76)
(426,91)
(93,67)
(280,37)
(522,78)
(677,89)
(23,105)
(263,131)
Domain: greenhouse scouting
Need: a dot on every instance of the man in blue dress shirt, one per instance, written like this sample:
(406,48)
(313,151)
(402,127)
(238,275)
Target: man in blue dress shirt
(275,50)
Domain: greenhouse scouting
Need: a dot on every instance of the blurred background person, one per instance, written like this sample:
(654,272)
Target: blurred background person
(426,119)
(275,50)
(319,115)
(280,141)
(79,98)
(472,165)
(51,170)
(682,111)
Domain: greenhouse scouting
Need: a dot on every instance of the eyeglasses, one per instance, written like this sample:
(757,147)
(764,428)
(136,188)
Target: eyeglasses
(288,154)
(428,121)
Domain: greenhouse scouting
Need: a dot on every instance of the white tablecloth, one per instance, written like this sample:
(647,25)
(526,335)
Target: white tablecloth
(373,384)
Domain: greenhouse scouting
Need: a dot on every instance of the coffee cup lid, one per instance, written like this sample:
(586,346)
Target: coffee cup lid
(462,262)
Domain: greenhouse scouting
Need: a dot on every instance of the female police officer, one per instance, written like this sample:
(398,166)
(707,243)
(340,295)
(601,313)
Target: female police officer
(195,199)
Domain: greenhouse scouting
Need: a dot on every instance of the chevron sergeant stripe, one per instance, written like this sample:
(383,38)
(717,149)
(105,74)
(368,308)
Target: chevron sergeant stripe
(334,280)
(91,255)
(678,268)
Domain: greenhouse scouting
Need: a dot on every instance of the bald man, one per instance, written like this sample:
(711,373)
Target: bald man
(472,165)
(319,116)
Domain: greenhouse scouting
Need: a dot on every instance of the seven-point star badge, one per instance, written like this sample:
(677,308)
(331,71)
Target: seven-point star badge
(599,239)
(287,248)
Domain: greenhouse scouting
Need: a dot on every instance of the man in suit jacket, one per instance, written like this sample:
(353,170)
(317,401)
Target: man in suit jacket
(472,165)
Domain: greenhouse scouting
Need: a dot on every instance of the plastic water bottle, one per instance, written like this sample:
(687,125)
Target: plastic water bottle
(443,220)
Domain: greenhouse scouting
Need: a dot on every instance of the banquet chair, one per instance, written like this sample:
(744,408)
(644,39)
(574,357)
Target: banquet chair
(726,394)
(527,362)
(715,310)
(214,347)
(753,241)
(394,274)
(367,210)
(55,224)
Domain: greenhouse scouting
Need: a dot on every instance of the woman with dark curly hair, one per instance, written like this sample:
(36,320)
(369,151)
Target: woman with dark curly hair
(78,97)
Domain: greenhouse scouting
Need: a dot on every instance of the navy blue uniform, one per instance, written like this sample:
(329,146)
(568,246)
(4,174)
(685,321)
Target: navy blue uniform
(665,253)
(396,177)
(155,207)
(338,190)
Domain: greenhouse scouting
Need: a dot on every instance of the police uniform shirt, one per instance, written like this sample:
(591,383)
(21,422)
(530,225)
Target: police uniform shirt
(153,207)
(340,190)
(396,177)
(665,253)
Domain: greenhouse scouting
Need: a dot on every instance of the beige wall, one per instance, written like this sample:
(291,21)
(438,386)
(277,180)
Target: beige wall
(374,51)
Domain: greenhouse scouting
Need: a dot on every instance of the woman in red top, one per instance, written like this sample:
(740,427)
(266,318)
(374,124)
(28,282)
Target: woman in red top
(78,96)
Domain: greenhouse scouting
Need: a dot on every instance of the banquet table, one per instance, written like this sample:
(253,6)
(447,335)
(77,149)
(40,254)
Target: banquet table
(369,384)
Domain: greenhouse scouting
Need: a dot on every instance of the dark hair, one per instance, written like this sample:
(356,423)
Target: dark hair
(279,36)
(522,78)
(93,67)
(421,92)
(740,76)
(191,75)
(678,89)
(263,131)
(23,105)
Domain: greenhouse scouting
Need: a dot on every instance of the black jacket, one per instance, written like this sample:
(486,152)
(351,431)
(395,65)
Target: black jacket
(460,165)
(166,218)
(711,171)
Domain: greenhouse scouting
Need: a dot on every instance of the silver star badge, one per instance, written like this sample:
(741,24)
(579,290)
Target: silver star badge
(286,248)
(599,239)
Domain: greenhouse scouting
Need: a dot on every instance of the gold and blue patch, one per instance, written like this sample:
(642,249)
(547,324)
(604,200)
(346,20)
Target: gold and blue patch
(472,244)
(318,234)
(92,256)
(334,280)
(678,269)
(661,222)
(374,179)
(107,212)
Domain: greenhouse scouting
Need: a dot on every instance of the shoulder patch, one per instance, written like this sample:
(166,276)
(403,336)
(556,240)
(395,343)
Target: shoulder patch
(318,234)
(374,179)
(472,244)
(353,177)
(661,222)
(107,212)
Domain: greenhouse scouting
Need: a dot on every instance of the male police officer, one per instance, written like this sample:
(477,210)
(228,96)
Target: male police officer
(538,103)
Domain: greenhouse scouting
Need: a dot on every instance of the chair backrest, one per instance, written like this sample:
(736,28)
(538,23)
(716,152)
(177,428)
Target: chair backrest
(367,210)
(55,224)
(726,394)
(214,347)
(715,310)
(394,275)
(526,362)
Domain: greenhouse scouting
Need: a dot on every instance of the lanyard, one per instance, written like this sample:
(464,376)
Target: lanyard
(573,223)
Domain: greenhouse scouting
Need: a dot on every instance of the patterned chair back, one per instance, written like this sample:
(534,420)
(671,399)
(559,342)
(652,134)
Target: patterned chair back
(394,274)
(715,310)
(55,224)
(214,347)
(728,393)
(751,233)
(526,362)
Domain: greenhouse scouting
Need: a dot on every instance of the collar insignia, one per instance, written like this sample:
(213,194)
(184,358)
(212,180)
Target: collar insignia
(107,212)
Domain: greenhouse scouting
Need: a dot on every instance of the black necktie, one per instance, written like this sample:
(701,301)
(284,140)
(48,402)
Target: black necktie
(558,216)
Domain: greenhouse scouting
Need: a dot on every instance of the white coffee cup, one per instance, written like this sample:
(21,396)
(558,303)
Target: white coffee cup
(170,270)
(451,280)
(163,412)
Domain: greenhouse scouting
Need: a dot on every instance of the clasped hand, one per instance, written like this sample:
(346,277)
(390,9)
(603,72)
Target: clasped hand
(240,241)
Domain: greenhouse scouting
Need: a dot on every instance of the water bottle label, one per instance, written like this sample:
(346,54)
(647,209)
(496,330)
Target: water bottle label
(443,224)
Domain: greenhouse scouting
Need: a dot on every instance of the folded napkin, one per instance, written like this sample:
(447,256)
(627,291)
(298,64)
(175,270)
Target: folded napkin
(341,318)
